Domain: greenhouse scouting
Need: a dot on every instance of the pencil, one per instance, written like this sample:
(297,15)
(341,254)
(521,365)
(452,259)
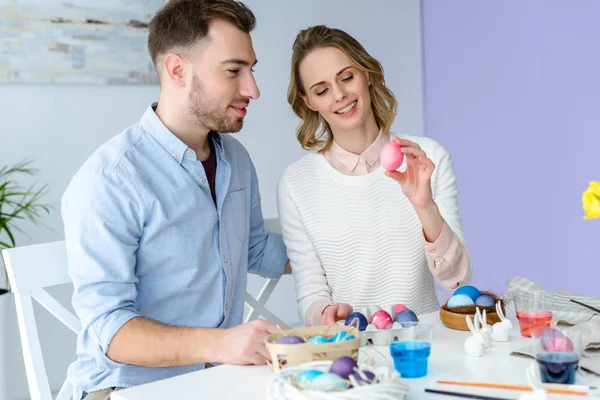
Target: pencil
(512,387)
(465,395)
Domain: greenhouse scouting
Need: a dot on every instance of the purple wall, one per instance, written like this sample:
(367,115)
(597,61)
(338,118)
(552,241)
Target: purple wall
(513,92)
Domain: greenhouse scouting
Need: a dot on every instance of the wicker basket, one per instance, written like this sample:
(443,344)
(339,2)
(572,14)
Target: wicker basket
(454,318)
(389,385)
(290,355)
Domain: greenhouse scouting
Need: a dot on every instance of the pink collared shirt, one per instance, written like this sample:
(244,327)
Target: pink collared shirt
(447,258)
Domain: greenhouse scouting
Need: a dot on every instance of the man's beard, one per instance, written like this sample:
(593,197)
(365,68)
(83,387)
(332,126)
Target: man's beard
(207,112)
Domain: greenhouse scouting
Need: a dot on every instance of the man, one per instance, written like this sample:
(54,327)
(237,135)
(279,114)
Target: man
(163,222)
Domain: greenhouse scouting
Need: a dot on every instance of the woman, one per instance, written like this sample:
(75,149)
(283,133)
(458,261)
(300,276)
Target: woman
(356,234)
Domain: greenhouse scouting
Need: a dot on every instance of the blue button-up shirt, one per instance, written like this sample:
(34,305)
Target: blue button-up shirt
(144,238)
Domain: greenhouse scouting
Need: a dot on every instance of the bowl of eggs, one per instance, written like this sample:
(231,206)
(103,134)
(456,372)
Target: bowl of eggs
(292,347)
(381,325)
(342,378)
(464,301)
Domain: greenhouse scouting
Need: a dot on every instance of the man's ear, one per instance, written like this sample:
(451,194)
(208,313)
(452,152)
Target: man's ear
(173,69)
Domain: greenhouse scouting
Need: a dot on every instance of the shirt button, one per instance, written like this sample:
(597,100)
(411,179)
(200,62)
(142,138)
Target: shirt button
(226,260)
(189,152)
(202,181)
(226,307)
(176,159)
(433,251)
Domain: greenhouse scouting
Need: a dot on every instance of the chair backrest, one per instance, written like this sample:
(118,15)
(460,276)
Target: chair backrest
(257,306)
(31,269)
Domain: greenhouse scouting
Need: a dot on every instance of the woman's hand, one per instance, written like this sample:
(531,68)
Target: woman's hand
(415,181)
(335,312)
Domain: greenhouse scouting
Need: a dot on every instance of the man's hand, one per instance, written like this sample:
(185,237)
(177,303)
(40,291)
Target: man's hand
(245,344)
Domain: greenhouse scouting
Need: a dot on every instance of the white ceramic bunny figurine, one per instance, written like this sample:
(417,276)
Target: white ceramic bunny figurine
(539,393)
(474,344)
(501,329)
(486,330)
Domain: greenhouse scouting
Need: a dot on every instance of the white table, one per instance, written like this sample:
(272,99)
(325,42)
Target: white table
(447,362)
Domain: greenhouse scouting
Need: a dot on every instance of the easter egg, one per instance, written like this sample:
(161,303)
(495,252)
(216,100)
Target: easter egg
(406,317)
(470,291)
(382,320)
(485,300)
(459,300)
(308,376)
(369,376)
(391,156)
(291,339)
(548,335)
(362,321)
(318,339)
(343,366)
(399,307)
(328,382)
(371,310)
(342,336)
(560,344)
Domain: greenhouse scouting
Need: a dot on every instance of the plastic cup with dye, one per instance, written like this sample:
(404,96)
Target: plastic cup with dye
(411,350)
(534,311)
(557,352)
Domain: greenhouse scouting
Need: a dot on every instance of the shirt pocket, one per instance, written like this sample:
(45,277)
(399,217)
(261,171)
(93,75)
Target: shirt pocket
(237,205)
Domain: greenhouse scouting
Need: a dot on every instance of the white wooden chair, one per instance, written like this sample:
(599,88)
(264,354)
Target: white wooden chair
(31,269)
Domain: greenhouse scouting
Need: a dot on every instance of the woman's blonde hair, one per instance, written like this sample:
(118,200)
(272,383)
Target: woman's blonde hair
(382,99)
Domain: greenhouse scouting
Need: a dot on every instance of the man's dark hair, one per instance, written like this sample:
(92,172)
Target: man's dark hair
(181,23)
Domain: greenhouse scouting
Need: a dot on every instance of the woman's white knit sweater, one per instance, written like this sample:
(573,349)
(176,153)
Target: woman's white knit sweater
(357,239)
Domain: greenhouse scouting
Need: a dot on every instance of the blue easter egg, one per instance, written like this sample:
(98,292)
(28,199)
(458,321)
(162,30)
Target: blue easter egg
(470,291)
(405,317)
(362,320)
(328,382)
(459,300)
(318,339)
(308,376)
(484,300)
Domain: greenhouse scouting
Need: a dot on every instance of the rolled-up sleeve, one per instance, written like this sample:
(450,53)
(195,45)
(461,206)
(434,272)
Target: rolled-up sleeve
(103,218)
(266,253)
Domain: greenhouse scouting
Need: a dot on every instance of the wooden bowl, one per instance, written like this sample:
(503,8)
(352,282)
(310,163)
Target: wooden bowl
(454,318)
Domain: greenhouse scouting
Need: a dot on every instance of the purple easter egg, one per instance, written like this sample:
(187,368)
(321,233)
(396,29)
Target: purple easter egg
(291,339)
(360,318)
(343,366)
(548,335)
(368,374)
(484,300)
(406,316)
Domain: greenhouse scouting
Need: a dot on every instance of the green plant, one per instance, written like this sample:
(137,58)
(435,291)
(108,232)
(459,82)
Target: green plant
(17,203)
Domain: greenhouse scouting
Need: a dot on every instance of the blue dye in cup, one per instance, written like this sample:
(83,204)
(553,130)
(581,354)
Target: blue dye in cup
(558,367)
(410,358)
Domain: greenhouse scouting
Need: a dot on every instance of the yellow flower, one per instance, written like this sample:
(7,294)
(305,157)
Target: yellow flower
(591,201)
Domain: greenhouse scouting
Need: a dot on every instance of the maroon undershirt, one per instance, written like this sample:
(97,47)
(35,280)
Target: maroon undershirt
(210,167)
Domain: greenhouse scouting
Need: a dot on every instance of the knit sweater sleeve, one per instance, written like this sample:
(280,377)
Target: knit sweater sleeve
(451,264)
(309,275)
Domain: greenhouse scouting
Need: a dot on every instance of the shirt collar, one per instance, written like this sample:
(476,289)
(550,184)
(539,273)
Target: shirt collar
(171,143)
(370,155)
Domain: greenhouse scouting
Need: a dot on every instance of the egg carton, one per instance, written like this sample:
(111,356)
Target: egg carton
(378,337)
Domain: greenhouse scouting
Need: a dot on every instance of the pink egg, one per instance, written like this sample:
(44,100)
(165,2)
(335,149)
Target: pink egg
(391,156)
(399,307)
(382,320)
(561,344)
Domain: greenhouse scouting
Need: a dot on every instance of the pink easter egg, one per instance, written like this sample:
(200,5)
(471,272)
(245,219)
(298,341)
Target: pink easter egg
(391,156)
(561,344)
(399,307)
(382,320)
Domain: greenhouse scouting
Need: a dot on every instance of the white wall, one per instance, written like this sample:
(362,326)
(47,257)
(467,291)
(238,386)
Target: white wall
(59,126)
